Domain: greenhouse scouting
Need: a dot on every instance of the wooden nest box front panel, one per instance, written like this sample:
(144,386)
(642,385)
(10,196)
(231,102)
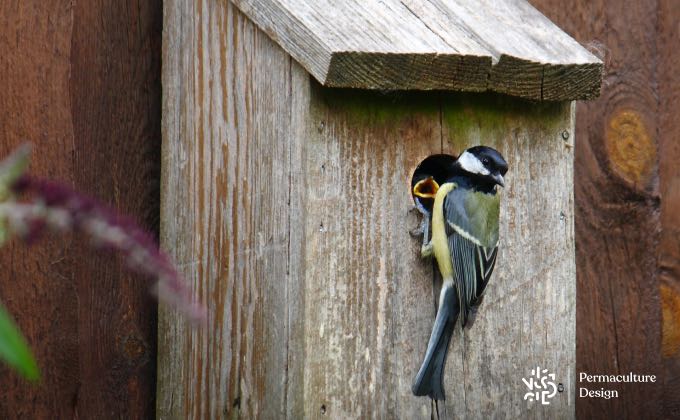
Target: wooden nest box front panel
(287,205)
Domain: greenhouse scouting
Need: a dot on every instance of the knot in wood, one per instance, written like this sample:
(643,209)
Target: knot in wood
(631,150)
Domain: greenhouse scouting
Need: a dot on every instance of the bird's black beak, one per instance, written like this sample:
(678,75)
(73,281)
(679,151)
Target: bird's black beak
(498,178)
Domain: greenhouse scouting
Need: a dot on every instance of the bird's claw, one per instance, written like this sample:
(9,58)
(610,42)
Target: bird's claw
(420,230)
(426,250)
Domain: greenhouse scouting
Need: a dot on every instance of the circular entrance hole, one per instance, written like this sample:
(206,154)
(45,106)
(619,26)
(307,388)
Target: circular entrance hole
(435,166)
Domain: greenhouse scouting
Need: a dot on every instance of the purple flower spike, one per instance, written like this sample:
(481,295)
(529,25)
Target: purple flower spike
(59,208)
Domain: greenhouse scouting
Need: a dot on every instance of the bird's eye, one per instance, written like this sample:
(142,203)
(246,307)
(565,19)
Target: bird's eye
(485,161)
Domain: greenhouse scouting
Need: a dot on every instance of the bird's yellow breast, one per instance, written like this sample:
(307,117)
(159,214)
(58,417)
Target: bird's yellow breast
(440,244)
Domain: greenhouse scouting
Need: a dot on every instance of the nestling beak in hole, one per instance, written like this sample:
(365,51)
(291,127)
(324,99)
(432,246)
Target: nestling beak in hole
(426,188)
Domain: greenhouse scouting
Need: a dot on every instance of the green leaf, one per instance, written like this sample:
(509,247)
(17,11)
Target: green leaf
(11,169)
(13,348)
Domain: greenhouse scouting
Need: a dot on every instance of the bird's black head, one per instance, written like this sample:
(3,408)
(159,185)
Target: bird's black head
(484,164)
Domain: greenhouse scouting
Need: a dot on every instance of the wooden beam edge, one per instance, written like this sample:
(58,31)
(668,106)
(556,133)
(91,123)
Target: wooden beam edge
(406,71)
(546,81)
(574,82)
(510,75)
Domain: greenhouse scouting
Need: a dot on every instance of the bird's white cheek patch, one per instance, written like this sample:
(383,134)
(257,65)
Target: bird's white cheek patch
(470,163)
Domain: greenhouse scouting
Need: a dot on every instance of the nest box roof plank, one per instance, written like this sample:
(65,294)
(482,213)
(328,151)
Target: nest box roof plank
(504,46)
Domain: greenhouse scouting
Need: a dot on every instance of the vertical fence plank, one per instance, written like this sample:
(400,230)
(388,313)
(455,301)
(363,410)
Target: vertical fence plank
(115,95)
(617,206)
(80,82)
(49,296)
(668,37)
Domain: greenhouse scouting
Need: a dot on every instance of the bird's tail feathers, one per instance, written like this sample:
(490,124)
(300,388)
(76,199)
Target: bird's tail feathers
(429,378)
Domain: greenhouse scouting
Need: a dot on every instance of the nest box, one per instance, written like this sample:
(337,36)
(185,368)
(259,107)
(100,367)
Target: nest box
(291,130)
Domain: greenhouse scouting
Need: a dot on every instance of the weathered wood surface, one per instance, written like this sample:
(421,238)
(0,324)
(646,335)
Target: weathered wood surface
(504,46)
(256,262)
(287,205)
(80,80)
(226,189)
(668,39)
(623,251)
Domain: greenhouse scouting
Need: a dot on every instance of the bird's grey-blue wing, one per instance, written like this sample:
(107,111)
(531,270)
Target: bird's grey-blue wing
(473,249)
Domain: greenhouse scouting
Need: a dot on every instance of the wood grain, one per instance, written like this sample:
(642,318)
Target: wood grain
(80,81)
(368,298)
(503,46)
(247,157)
(668,79)
(287,205)
(226,214)
(617,202)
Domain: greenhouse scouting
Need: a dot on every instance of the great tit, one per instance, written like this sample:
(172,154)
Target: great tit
(465,244)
